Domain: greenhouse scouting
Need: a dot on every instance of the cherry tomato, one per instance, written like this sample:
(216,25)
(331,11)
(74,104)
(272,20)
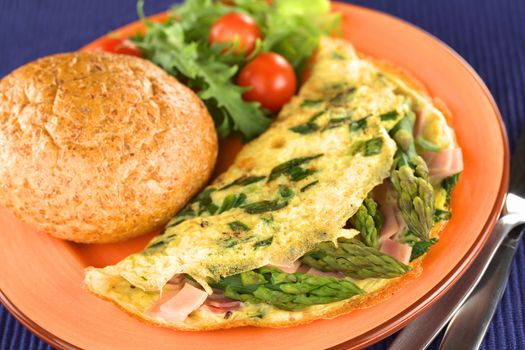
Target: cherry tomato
(235,25)
(122,46)
(271,78)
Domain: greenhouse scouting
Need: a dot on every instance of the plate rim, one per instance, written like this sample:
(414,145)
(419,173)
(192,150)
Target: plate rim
(395,323)
(447,282)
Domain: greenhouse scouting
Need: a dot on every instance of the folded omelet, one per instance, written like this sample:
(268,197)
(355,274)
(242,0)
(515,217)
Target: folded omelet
(327,211)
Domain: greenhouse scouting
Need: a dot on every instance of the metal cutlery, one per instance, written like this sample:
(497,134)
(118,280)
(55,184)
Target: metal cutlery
(469,325)
(499,249)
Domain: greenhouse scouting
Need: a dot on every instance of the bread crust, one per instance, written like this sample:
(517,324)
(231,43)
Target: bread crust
(99,147)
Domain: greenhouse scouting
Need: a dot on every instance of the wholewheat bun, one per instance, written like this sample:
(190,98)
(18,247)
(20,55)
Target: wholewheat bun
(98,147)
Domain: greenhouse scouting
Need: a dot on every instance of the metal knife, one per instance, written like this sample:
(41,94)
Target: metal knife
(467,328)
(420,333)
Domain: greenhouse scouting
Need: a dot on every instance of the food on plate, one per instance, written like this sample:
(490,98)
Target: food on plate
(236,29)
(328,211)
(121,46)
(206,43)
(98,147)
(270,79)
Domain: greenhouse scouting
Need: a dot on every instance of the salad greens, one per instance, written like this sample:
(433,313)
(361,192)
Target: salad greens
(291,28)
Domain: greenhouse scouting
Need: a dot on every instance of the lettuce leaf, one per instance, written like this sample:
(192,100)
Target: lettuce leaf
(165,45)
(180,46)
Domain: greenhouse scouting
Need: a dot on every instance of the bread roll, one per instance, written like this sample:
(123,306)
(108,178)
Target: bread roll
(99,147)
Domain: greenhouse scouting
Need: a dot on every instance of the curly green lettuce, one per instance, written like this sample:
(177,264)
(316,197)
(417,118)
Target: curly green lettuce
(180,46)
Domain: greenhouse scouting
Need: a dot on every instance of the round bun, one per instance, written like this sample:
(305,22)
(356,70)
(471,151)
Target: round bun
(99,147)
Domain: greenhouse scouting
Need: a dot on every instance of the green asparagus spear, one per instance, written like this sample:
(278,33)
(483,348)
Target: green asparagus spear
(354,259)
(415,200)
(410,179)
(287,291)
(368,221)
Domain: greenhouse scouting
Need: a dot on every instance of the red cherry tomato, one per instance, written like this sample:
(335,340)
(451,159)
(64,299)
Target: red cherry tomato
(235,25)
(122,46)
(271,78)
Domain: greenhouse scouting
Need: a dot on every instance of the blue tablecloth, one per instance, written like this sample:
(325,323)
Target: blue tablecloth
(489,34)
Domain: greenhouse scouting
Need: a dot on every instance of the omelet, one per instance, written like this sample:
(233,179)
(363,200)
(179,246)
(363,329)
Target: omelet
(292,232)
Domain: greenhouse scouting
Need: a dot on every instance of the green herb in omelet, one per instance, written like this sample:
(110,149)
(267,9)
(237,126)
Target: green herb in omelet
(358,124)
(449,183)
(264,206)
(309,127)
(238,226)
(392,115)
(308,186)
(232,201)
(263,243)
(368,148)
(311,103)
(292,168)
(243,181)
(442,215)
(421,248)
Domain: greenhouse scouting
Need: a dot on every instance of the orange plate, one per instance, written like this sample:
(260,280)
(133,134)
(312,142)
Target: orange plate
(41,277)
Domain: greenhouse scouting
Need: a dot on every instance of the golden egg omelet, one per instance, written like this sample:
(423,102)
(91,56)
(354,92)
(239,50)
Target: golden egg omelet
(295,187)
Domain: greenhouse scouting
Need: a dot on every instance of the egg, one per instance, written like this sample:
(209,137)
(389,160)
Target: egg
(293,187)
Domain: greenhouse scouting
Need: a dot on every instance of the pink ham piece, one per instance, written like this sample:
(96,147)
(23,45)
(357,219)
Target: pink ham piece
(218,303)
(293,267)
(393,222)
(223,306)
(398,251)
(167,294)
(391,225)
(175,306)
(421,121)
(444,163)
(177,279)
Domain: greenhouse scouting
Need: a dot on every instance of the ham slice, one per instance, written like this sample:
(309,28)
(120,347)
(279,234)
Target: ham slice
(167,294)
(175,306)
(393,221)
(398,251)
(445,163)
(293,267)
(315,272)
(218,303)
(222,308)
(391,225)
(421,121)
(177,279)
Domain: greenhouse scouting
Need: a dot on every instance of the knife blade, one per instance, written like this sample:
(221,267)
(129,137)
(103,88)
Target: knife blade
(517,168)
(468,326)
(420,333)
